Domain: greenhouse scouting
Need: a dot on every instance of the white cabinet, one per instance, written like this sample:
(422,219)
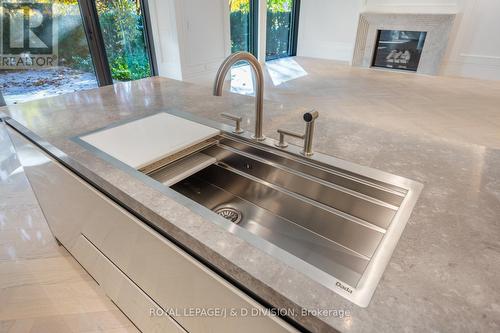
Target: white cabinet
(138,306)
(133,262)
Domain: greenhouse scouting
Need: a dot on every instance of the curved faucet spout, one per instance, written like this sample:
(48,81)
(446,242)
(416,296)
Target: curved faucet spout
(259,85)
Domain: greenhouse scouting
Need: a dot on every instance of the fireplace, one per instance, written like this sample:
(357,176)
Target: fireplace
(398,49)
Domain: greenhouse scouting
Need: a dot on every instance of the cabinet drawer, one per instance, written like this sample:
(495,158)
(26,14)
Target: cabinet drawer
(125,294)
(179,282)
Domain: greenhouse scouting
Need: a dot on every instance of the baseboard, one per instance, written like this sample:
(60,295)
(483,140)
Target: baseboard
(473,66)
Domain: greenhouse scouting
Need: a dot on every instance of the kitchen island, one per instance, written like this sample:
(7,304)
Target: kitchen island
(439,274)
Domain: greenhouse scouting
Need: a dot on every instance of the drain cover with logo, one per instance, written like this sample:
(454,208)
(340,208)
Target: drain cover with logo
(230,214)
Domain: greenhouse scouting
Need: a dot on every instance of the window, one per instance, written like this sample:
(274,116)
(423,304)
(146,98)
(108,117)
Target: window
(282,27)
(44,51)
(51,47)
(122,26)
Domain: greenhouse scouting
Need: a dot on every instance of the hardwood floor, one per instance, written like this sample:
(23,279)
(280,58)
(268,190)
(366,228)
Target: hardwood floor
(42,288)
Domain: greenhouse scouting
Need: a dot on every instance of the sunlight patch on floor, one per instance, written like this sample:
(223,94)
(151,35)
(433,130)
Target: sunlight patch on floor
(242,80)
(280,71)
(284,70)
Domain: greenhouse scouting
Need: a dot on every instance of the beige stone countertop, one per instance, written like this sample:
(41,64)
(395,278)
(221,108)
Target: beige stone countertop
(444,273)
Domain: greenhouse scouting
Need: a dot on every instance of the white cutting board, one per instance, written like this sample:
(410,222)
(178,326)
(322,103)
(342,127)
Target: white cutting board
(147,140)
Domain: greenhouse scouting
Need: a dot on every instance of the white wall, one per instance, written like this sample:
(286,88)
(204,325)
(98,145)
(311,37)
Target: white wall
(261,53)
(327,28)
(191,37)
(205,37)
(165,37)
(413,6)
(475,48)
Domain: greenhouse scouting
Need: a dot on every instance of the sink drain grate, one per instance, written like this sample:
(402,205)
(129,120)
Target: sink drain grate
(230,214)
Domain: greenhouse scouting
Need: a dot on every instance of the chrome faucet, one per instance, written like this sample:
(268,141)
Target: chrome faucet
(309,118)
(259,87)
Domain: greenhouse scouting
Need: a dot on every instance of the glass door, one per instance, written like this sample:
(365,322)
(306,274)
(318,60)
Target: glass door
(243,25)
(125,44)
(52,47)
(43,51)
(282,27)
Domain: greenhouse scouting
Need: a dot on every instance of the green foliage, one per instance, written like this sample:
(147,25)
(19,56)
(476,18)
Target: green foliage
(278,34)
(273,6)
(239,31)
(83,63)
(278,26)
(279,6)
(123,32)
(120,70)
(130,68)
(73,50)
(242,6)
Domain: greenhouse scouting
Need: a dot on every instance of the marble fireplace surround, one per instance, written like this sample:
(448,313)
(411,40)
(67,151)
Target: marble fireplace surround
(437,26)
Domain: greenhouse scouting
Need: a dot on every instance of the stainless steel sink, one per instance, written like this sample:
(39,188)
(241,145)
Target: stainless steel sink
(343,221)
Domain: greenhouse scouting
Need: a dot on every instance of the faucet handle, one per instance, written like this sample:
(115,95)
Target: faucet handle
(309,117)
(235,118)
(282,133)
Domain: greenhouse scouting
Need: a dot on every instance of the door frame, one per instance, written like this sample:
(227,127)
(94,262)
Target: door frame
(2,100)
(148,37)
(294,29)
(95,41)
(253,42)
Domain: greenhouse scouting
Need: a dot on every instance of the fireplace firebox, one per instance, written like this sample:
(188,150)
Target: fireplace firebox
(399,49)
